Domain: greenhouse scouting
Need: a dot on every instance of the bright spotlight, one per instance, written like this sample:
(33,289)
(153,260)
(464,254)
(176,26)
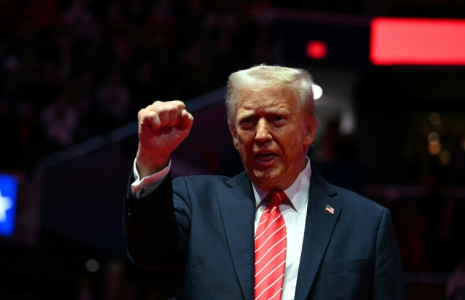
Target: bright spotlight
(317,91)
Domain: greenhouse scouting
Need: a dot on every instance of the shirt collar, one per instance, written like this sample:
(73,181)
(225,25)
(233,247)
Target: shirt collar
(297,192)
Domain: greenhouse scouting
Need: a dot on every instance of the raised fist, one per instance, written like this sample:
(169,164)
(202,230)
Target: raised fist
(162,127)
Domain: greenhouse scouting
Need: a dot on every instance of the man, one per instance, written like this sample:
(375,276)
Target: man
(276,231)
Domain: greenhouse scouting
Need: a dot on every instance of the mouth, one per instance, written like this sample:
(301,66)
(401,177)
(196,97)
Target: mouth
(265,156)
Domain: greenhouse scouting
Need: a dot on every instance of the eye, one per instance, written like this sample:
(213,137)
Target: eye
(246,123)
(278,120)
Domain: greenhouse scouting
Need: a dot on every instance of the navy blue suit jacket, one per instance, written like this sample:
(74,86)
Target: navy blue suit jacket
(203,227)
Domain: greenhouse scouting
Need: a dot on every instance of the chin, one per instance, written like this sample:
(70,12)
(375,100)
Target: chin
(264,179)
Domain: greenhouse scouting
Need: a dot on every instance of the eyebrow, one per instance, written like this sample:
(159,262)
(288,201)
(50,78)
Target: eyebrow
(269,110)
(245,114)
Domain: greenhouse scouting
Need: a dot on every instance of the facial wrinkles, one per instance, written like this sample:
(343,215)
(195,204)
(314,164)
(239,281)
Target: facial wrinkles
(257,111)
(262,111)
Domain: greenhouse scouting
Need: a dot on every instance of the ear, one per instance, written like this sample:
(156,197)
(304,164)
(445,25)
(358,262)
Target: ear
(233,131)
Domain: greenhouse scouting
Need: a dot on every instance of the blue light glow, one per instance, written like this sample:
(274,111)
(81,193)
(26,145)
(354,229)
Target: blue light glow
(8,191)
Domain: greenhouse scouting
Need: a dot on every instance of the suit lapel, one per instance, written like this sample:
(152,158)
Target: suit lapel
(237,206)
(318,231)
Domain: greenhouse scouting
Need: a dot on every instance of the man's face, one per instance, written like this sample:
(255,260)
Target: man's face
(272,136)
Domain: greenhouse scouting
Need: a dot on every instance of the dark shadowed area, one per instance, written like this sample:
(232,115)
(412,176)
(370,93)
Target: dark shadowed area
(74,73)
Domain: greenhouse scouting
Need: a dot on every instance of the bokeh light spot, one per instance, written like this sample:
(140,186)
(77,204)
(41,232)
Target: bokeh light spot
(434,147)
(317,91)
(317,49)
(444,157)
(433,137)
(92,265)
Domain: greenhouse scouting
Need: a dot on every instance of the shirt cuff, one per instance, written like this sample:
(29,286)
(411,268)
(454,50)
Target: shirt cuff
(142,187)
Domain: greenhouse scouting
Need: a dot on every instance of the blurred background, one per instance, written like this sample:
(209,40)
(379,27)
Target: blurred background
(74,73)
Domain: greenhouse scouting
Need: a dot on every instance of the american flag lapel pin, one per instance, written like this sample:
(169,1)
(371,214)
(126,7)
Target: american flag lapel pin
(329,209)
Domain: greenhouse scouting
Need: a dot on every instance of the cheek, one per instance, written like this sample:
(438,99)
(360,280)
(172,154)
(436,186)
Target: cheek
(244,138)
(244,146)
(292,145)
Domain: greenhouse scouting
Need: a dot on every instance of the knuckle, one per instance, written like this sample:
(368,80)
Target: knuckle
(162,112)
(141,113)
(154,105)
(172,109)
(179,104)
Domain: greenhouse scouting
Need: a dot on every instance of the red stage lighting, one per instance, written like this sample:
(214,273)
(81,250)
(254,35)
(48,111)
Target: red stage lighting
(317,49)
(398,41)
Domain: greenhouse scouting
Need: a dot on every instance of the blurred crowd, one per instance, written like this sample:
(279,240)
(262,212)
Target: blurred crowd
(74,69)
(70,70)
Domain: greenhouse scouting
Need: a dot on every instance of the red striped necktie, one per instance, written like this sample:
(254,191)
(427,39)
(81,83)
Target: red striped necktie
(270,250)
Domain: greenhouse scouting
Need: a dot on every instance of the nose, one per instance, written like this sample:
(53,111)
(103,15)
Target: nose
(262,131)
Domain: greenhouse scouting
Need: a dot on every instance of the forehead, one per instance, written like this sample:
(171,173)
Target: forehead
(267,99)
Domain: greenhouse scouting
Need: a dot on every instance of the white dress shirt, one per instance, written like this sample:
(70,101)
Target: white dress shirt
(294,213)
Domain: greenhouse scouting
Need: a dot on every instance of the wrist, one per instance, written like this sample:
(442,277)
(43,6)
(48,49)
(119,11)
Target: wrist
(149,163)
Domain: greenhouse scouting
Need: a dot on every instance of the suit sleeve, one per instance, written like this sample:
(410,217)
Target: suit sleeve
(155,229)
(388,274)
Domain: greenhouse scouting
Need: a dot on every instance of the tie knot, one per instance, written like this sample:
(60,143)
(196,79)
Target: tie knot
(277,197)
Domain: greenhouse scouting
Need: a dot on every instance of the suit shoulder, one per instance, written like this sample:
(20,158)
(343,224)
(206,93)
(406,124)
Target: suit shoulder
(348,198)
(357,202)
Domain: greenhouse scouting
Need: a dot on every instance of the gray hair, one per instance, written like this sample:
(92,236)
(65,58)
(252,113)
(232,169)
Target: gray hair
(264,76)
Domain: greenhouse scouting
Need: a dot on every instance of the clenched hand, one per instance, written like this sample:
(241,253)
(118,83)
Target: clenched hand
(162,127)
